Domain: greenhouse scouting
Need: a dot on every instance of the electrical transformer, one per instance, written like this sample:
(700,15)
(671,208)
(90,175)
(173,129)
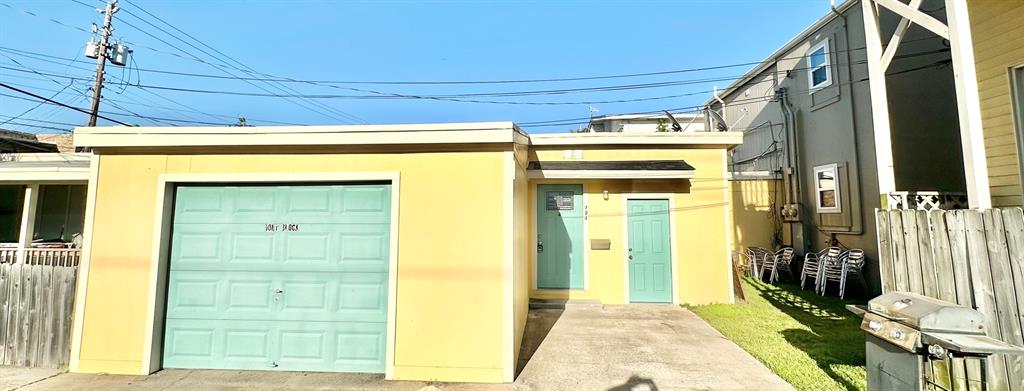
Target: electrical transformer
(92,49)
(119,54)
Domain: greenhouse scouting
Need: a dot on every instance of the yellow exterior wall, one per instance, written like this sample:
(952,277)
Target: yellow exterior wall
(449,305)
(700,233)
(998,32)
(751,213)
(521,281)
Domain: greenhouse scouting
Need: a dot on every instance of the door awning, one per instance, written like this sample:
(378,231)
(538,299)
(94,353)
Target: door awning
(630,169)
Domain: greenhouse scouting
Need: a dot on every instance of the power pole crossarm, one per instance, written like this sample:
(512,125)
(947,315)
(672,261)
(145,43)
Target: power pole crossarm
(101,60)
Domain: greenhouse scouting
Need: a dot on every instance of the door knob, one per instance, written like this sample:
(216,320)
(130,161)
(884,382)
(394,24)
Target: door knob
(631,257)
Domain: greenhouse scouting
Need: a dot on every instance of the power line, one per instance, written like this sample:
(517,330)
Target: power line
(737,102)
(16,89)
(248,69)
(39,126)
(135,115)
(318,111)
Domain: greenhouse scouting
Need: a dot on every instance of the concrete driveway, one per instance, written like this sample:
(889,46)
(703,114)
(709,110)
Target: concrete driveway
(634,347)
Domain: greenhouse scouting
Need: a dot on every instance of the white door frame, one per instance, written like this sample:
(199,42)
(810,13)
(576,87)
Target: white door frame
(153,348)
(671,239)
(535,232)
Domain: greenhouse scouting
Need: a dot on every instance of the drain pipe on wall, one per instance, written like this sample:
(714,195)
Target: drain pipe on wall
(792,173)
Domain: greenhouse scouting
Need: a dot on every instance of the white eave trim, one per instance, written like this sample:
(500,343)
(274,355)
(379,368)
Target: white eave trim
(30,175)
(667,138)
(609,174)
(456,133)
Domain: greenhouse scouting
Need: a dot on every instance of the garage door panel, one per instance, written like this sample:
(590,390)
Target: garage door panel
(324,247)
(257,204)
(279,278)
(275,345)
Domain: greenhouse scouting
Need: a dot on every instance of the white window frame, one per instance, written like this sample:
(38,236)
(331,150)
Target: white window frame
(834,169)
(1017,109)
(827,65)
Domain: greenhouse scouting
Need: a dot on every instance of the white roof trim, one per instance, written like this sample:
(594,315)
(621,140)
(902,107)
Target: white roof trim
(45,173)
(661,138)
(609,174)
(45,167)
(424,134)
(455,133)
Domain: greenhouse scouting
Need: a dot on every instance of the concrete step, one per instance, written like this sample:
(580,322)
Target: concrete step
(561,304)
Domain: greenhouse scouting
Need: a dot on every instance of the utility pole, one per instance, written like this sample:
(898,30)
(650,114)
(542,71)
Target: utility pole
(101,59)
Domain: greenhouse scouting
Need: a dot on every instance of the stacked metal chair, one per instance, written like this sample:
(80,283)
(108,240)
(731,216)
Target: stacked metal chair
(848,265)
(812,266)
(853,263)
(781,260)
(757,257)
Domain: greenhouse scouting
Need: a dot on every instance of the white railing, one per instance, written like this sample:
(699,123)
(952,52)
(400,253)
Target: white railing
(8,255)
(41,256)
(927,200)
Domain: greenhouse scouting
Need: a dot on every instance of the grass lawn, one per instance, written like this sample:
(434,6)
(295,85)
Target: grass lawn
(811,341)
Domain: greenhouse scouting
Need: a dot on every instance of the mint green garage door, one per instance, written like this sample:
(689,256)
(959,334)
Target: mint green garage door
(279,278)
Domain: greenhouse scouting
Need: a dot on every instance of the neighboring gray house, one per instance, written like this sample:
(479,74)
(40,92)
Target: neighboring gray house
(806,112)
(646,123)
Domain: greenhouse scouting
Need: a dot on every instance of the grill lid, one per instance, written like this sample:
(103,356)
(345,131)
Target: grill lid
(927,314)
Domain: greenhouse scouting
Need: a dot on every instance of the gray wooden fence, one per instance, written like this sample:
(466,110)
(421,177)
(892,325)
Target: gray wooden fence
(971,257)
(36,304)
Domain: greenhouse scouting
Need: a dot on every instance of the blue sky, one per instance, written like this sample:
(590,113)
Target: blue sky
(388,41)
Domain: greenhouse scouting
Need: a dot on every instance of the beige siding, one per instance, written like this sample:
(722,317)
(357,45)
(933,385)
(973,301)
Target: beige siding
(998,46)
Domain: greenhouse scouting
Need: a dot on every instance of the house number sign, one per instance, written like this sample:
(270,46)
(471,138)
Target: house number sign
(559,200)
(282,227)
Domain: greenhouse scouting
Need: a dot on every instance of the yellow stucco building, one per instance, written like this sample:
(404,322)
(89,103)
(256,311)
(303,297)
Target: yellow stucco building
(407,250)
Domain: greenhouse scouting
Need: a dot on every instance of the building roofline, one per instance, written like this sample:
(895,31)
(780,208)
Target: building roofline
(354,135)
(724,139)
(772,59)
(45,167)
(441,133)
(641,116)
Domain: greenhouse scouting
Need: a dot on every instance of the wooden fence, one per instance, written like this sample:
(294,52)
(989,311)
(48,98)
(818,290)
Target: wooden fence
(41,256)
(36,304)
(971,257)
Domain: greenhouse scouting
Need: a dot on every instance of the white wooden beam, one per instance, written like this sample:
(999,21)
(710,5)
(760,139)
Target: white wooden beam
(879,103)
(916,16)
(968,103)
(897,37)
(28,220)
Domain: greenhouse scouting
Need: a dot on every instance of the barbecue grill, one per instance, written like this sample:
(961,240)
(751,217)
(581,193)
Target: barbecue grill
(909,336)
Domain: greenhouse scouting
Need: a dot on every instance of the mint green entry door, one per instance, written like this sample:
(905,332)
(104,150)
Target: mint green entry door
(279,278)
(560,236)
(649,252)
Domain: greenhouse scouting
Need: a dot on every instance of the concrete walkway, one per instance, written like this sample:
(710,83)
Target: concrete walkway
(13,377)
(634,347)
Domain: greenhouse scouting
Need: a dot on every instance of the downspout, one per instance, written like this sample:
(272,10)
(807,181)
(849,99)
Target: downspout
(714,93)
(855,164)
(792,154)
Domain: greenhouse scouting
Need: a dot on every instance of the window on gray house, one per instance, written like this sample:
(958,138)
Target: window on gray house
(826,188)
(819,75)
